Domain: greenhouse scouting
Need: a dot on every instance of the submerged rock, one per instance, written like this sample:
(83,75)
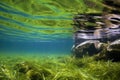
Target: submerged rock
(104,51)
(110,51)
(113,51)
(114,46)
(89,47)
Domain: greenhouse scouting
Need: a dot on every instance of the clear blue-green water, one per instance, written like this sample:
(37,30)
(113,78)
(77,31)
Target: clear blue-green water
(61,47)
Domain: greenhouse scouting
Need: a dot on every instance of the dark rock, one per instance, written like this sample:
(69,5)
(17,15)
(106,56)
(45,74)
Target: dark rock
(110,52)
(89,47)
(113,51)
(114,46)
(102,54)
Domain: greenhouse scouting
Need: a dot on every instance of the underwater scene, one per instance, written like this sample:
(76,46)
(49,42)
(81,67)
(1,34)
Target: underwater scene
(59,39)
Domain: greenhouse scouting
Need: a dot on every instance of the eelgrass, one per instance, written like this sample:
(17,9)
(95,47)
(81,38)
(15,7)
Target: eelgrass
(57,68)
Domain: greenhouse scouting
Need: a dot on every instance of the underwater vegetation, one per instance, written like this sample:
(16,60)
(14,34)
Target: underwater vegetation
(46,20)
(57,68)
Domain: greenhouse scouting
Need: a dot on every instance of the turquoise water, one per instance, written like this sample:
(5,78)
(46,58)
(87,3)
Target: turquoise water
(48,47)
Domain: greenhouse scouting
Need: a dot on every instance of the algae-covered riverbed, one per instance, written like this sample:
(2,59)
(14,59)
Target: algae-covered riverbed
(24,67)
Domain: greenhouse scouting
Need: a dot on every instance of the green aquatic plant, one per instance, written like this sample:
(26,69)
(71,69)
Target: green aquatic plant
(57,68)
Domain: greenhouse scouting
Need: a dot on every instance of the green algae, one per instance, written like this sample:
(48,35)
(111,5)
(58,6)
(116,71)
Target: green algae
(56,68)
